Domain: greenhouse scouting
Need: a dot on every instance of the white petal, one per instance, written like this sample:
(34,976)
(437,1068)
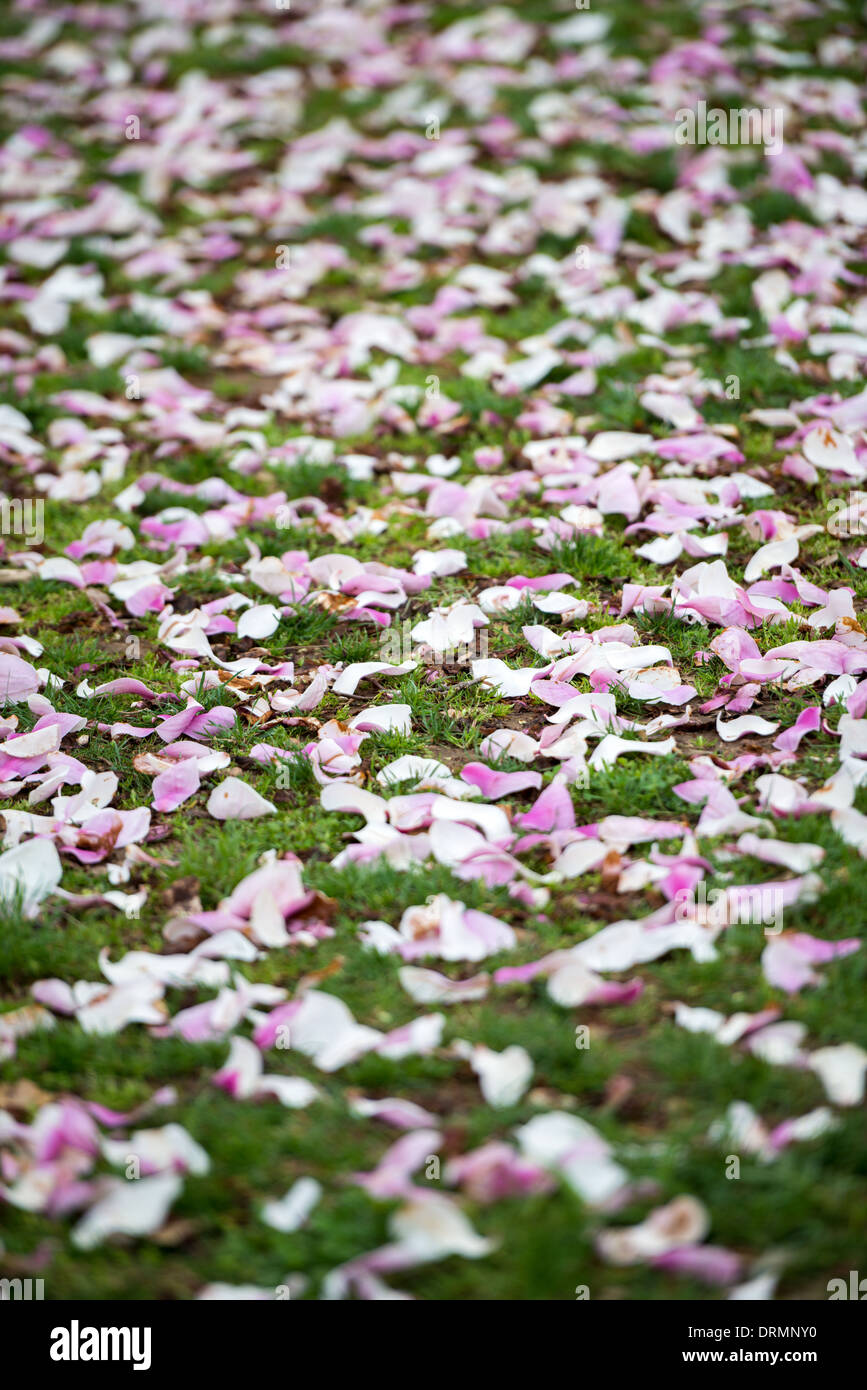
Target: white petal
(260,621)
(290,1213)
(233,799)
(732,729)
(130,1208)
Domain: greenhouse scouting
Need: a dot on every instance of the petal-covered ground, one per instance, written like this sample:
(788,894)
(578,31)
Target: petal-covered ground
(432,445)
